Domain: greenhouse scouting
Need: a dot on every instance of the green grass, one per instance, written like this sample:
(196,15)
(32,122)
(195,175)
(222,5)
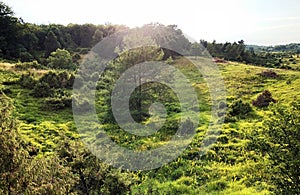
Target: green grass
(227,168)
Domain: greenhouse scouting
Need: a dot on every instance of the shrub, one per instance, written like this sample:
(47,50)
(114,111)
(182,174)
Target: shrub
(58,80)
(26,57)
(60,59)
(28,65)
(264,99)
(42,89)
(51,79)
(57,103)
(269,73)
(27,81)
(239,108)
(279,140)
(61,99)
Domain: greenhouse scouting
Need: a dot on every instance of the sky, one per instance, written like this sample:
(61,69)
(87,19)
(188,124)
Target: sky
(260,22)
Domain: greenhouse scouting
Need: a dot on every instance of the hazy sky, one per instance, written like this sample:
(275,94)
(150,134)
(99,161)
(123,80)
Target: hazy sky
(263,22)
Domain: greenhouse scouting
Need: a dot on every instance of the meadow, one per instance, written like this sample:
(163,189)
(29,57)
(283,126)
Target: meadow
(231,166)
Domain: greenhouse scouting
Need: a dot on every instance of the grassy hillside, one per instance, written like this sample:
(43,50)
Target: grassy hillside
(230,167)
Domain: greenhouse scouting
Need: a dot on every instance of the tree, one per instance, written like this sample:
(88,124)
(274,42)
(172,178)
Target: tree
(9,32)
(51,43)
(60,59)
(279,141)
(98,36)
(12,155)
(5,10)
(131,57)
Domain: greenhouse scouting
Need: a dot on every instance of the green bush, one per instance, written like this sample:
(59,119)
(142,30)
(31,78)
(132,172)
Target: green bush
(28,65)
(57,103)
(26,57)
(279,141)
(27,81)
(58,80)
(264,99)
(237,110)
(42,89)
(60,99)
(60,59)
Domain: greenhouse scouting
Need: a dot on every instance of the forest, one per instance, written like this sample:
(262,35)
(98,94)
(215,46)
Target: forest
(256,148)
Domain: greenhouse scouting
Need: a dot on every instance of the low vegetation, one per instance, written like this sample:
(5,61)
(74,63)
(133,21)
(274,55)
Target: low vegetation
(42,153)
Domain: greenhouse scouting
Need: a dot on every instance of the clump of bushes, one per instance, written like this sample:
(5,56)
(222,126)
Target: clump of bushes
(264,99)
(58,103)
(61,59)
(27,81)
(269,73)
(60,100)
(42,89)
(28,65)
(237,110)
(58,80)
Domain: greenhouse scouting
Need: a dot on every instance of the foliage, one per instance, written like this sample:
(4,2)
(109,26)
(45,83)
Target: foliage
(93,176)
(60,59)
(57,103)
(13,157)
(27,81)
(263,99)
(58,80)
(42,89)
(237,110)
(279,141)
(28,65)
(269,73)
(51,43)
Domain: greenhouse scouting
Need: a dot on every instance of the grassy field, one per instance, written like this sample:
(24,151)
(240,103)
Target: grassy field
(230,167)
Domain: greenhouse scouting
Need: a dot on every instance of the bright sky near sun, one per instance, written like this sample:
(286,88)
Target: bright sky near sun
(262,22)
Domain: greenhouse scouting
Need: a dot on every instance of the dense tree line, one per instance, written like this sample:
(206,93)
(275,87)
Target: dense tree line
(24,41)
(292,48)
(237,51)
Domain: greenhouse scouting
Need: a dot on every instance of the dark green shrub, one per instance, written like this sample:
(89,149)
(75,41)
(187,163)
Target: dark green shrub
(57,103)
(26,57)
(42,89)
(28,65)
(239,108)
(51,79)
(264,99)
(58,80)
(269,73)
(279,141)
(27,81)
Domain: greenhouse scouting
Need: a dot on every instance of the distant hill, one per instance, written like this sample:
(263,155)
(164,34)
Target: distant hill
(292,47)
